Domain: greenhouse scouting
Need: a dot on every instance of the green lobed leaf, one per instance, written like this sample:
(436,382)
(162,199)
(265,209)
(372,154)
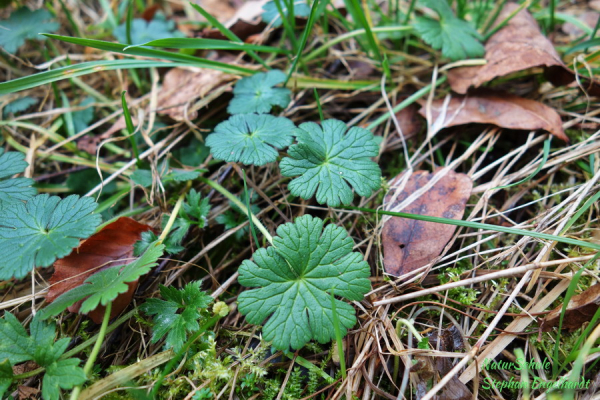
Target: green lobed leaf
(195,209)
(19,105)
(258,94)
(456,38)
(143,31)
(25,24)
(15,344)
(294,276)
(17,189)
(6,376)
(251,139)
(35,234)
(331,161)
(271,14)
(82,118)
(177,315)
(104,286)
(64,374)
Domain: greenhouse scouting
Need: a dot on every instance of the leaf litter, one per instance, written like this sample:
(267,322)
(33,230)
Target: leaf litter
(410,244)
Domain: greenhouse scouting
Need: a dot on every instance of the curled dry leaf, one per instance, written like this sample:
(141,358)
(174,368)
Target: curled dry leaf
(182,86)
(518,46)
(113,245)
(580,310)
(498,108)
(244,23)
(409,244)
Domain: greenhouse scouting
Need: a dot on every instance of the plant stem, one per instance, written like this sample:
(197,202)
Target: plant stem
(174,214)
(239,204)
(95,351)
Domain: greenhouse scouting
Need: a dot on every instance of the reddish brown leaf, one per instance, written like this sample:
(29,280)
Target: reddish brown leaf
(26,392)
(410,244)
(182,87)
(580,310)
(518,46)
(111,246)
(498,108)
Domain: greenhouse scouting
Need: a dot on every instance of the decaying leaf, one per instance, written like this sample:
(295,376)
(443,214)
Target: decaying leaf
(498,108)
(182,86)
(409,244)
(245,22)
(518,46)
(114,243)
(580,310)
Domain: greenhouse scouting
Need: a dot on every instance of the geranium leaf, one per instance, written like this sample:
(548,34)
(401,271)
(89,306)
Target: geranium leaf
(25,24)
(456,38)
(271,13)
(250,138)
(294,277)
(17,189)
(18,105)
(35,234)
(257,94)
(331,161)
(143,31)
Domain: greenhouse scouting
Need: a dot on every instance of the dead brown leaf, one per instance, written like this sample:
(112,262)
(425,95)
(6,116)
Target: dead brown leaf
(89,143)
(243,23)
(409,244)
(590,18)
(113,243)
(518,46)
(182,86)
(498,108)
(581,309)
(26,392)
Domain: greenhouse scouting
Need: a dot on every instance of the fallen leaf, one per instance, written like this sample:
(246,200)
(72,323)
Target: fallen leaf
(581,309)
(114,243)
(89,143)
(222,10)
(26,392)
(498,108)
(518,46)
(182,86)
(245,22)
(410,123)
(410,244)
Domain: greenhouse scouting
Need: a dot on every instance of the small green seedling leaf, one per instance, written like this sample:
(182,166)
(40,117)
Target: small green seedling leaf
(258,94)
(172,242)
(35,234)
(331,161)
(18,105)
(17,346)
(294,277)
(271,13)
(195,209)
(17,189)
(251,139)
(25,24)
(457,39)
(143,32)
(177,315)
(104,286)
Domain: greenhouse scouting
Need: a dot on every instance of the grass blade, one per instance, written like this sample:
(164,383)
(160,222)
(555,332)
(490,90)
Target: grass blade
(311,21)
(70,71)
(479,225)
(207,44)
(161,54)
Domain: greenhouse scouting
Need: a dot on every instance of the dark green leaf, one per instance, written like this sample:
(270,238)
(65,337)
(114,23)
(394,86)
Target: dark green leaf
(17,189)
(19,105)
(258,94)
(6,376)
(250,138)
(35,234)
(331,161)
(294,276)
(177,315)
(25,24)
(63,374)
(456,38)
